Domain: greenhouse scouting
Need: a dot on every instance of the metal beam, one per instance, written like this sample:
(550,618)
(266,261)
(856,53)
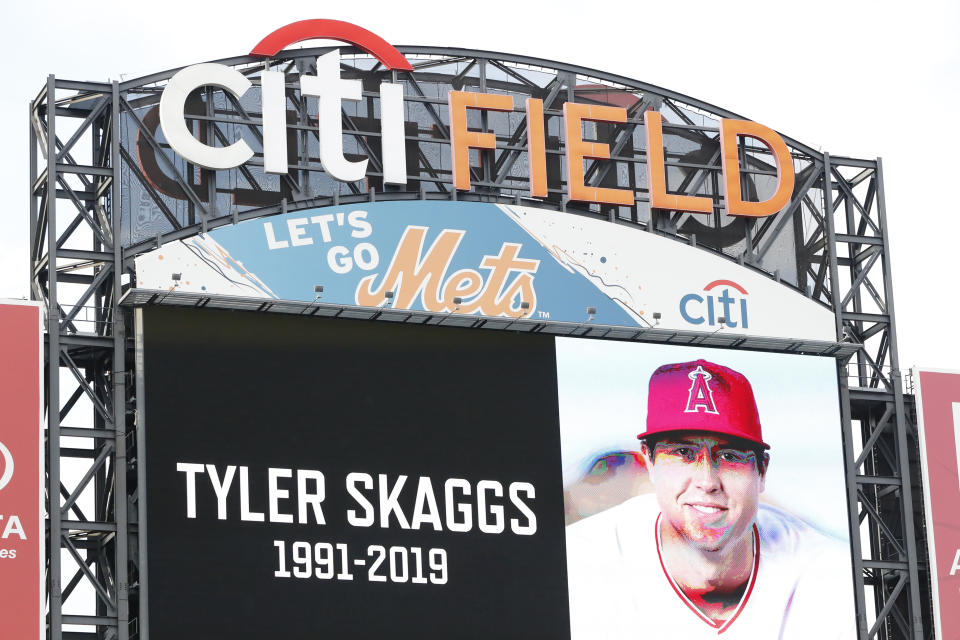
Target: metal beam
(53,376)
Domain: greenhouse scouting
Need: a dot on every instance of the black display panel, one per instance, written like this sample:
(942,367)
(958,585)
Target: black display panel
(440,511)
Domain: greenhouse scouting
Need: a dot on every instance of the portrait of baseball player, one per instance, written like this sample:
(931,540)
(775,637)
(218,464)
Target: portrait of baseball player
(696,553)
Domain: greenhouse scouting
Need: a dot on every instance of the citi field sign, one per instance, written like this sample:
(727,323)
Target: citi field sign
(464,257)
(331,91)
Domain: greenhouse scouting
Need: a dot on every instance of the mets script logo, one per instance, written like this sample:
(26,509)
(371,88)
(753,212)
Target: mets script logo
(700,396)
(7,472)
(502,286)
(730,306)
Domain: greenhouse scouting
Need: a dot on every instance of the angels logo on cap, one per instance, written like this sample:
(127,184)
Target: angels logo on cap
(702,396)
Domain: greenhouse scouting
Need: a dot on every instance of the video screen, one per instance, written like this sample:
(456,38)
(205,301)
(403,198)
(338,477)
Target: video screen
(309,477)
(312,477)
(704,493)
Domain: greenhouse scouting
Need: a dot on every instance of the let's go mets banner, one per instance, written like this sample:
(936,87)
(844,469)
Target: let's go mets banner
(21,472)
(484,259)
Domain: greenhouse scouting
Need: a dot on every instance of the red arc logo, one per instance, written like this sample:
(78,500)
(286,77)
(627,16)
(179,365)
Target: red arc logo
(333,30)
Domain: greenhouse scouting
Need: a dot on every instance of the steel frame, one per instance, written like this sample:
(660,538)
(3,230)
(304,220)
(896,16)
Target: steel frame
(84,162)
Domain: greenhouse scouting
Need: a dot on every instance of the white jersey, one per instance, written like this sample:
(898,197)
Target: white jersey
(801,586)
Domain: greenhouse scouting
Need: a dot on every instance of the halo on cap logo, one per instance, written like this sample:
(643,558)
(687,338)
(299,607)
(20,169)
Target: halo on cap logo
(7,465)
(700,395)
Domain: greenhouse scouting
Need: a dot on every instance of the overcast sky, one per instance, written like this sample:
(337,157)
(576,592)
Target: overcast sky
(862,79)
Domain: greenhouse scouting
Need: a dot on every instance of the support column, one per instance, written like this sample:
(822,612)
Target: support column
(53,371)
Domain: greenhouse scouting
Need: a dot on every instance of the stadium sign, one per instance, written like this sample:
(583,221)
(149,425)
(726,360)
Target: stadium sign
(331,91)
(22,541)
(486,259)
(344,379)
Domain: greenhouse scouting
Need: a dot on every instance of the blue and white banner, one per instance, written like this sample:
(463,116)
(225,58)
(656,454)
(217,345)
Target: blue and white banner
(484,259)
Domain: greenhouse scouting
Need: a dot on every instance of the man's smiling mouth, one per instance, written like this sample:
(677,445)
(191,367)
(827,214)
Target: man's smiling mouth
(706,509)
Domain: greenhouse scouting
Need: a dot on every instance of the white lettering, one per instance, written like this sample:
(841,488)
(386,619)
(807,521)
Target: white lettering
(275,494)
(174,125)
(331,90)
(274,104)
(191,469)
(451,508)
(297,232)
(245,512)
(366,256)
(425,498)
(324,221)
(12,527)
(530,527)
(389,502)
(377,499)
(221,489)
(272,242)
(339,261)
(313,499)
(358,220)
(495,510)
(353,479)
(392,133)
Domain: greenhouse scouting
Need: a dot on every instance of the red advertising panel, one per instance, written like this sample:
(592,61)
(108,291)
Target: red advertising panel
(21,472)
(938,411)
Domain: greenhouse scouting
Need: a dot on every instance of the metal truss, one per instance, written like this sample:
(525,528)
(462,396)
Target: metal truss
(74,253)
(883,471)
(106,187)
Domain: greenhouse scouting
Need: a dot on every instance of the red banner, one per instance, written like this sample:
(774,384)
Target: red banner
(21,472)
(938,411)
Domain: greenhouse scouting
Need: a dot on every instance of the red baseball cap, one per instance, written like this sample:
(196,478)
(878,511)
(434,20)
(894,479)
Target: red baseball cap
(702,396)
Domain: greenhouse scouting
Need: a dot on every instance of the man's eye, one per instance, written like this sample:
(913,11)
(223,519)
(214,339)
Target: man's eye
(734,456)
(685,452)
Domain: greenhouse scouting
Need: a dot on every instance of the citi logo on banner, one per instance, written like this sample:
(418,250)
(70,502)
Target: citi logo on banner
(720,299)
(331,90)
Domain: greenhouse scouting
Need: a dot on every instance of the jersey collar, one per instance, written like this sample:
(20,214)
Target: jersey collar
(719,626)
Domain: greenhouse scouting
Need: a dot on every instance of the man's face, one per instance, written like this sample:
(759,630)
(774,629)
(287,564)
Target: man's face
(707,487)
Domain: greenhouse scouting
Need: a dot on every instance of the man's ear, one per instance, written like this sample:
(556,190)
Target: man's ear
(764,465)
(647,457)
